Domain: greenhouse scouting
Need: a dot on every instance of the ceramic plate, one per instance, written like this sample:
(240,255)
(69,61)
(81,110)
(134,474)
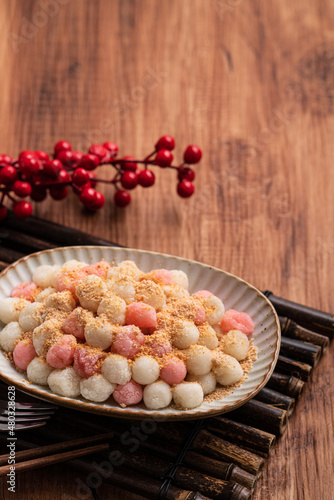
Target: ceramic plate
(234,292)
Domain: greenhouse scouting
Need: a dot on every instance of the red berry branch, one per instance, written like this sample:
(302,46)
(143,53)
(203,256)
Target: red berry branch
(35,174)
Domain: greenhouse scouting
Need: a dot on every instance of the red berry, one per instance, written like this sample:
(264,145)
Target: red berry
(21,189)
(62,146)
(122,198)
(87,196)
(192,154)
(186,173)
(97,202)
(128,165)
(185,188)
(129,180)
(89,162)
(58,192)
(163,158)
(3,212)
(146,178)
(80,176)
(38,193)
(66,157)
(76,156)
(41,155)
(29,166)
(165,142)
(52,168)
(5,160)
(8,175)
(112,148)
(98,150)
(92,177)
(63,176)
(27,154)
(22,209)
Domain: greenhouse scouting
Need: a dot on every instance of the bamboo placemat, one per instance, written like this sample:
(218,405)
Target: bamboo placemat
(215,458)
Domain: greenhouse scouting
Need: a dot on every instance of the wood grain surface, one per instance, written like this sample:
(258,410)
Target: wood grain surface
(252,83)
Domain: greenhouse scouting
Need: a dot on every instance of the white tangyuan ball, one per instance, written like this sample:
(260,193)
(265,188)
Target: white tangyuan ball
(116,369)
(207,381)
(41,335)
(38,371)
(10,309)
(127,268)
(188,395)
(96,388)
(44,276)
(150,293)
(31,316)
(63,301)
(207,336)
(236,344)
(10,335)
(73,264)
(99,333)
(175,291)
(185,334)
(214,309)
(43,295)
(90,292)
(198,360)
(157,395)
(114,308)
(123,288)
(226,369)
(145,370)
(180,278)
(65,382)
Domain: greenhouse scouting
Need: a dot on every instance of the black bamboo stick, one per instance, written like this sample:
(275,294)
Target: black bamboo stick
(8,255)
(25,242)
(300,351)
(291,330)
(313,319)
(262,416)
(242,434)
(293,367)
(155,444)
(221,449)
(276,399)
(52,232)
(286,384)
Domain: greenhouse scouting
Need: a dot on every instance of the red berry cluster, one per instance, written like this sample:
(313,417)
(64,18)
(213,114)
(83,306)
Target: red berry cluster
(35,174)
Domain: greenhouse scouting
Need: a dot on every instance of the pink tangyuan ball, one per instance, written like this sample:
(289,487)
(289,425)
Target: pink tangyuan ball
(160,348)
(24,352)
(173,371)
(73,325)
(199,315)
(163,276)
(100,269)
(203,293)
(86,361)
(68,280)
(128,341)
(234,320)
(61,354)
(141,315)
(26,290)
(128,394)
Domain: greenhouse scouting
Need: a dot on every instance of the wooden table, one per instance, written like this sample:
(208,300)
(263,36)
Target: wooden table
(252,83)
